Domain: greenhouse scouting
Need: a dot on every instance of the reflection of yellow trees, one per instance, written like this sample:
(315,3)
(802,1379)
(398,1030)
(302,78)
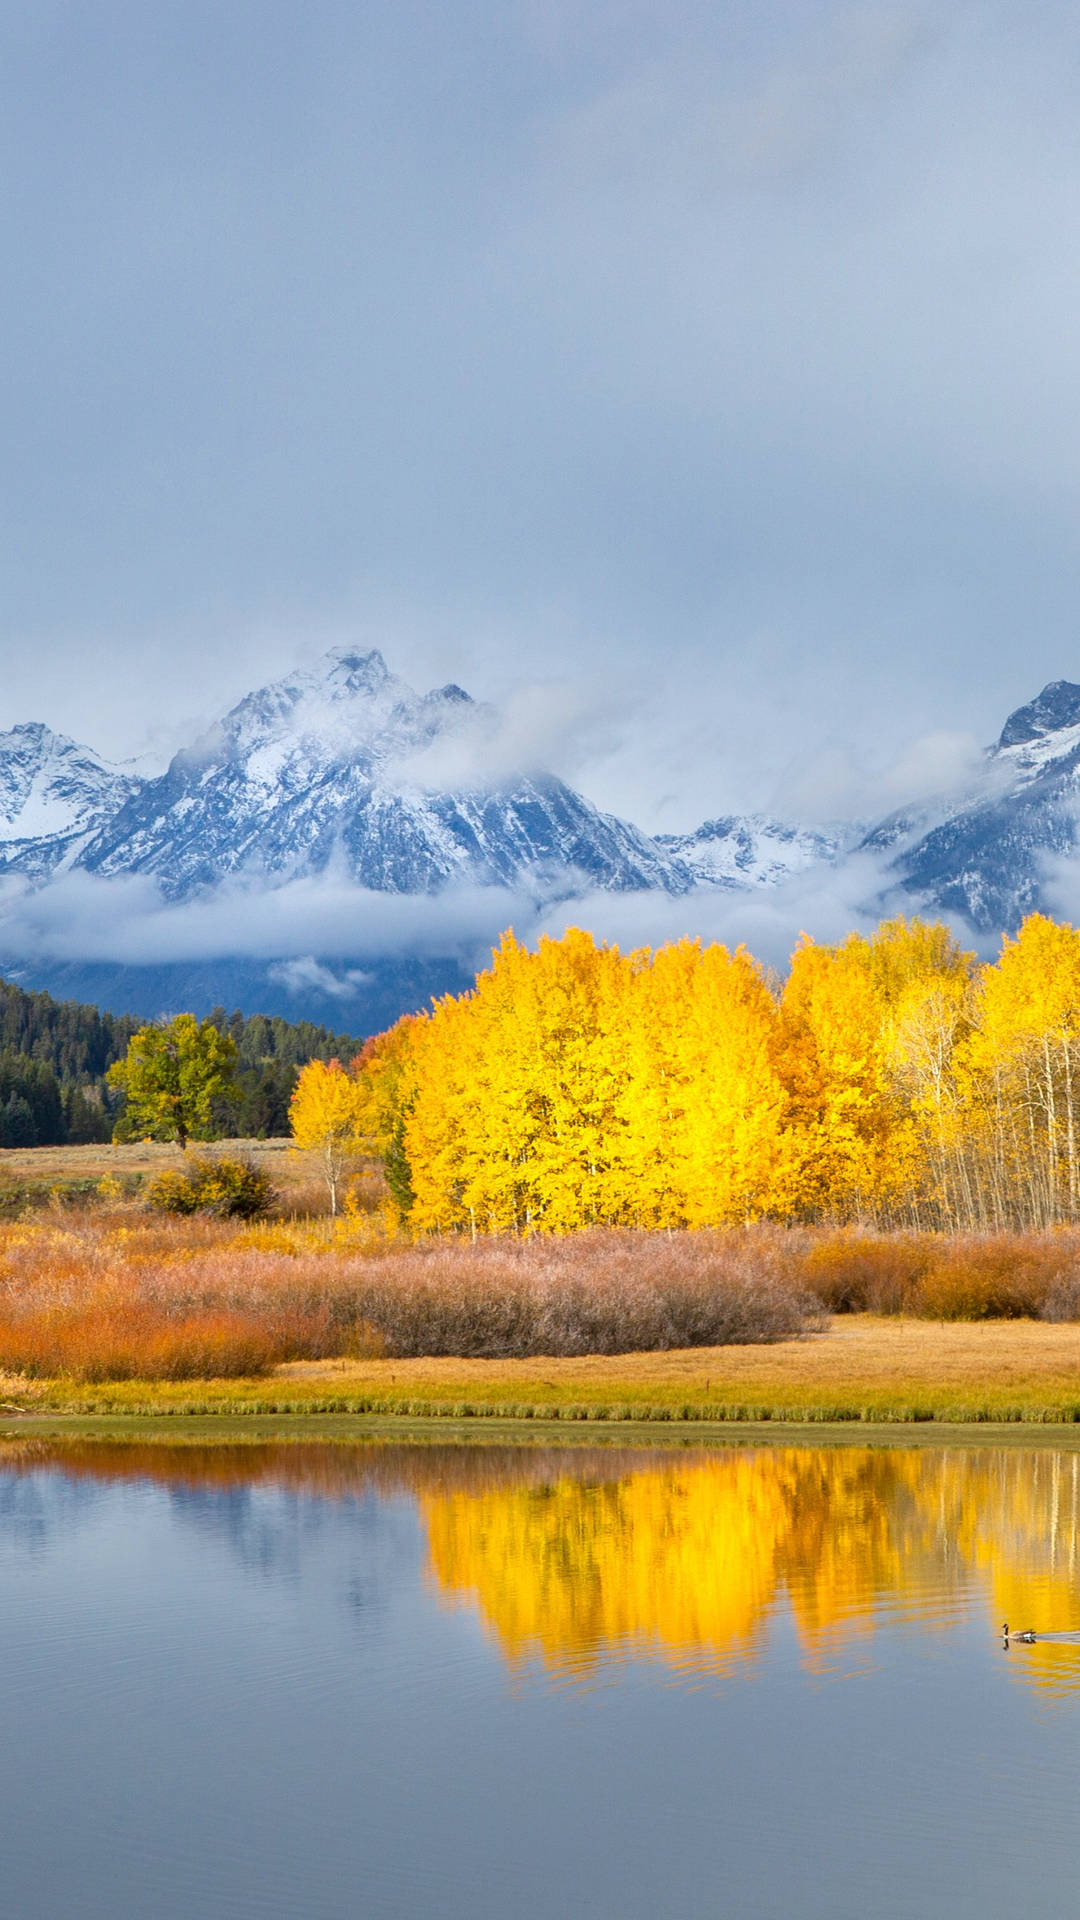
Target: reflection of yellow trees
(689,1560)
(576,1556)
(1024,1535)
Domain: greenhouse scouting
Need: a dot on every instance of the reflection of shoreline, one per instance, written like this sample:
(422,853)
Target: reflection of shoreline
(323,1469)
(574,1558)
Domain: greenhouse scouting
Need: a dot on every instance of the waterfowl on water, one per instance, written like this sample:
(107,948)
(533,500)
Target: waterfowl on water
(1027,1637)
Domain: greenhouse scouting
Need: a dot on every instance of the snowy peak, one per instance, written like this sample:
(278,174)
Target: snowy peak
(335,705)
(52,790)
(1055,708)
(347,708)
(324,771)
(749,850)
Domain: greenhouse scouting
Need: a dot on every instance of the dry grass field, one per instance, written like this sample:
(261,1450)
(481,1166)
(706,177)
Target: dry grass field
(34,1175)
(861,1367)
(107,1306)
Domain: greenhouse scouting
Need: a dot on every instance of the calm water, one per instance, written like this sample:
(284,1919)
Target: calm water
(436,1681)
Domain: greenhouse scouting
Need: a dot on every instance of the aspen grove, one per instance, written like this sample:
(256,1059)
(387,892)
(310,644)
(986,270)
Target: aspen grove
(889,1080)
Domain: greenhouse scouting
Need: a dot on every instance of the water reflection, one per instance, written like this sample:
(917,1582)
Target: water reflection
(691,1561)
(577,1558)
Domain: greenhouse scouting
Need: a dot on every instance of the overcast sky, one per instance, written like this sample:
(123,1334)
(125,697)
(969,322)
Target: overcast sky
(701,377)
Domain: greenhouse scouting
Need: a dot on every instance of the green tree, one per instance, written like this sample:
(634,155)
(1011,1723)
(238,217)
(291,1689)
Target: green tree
(172,1076)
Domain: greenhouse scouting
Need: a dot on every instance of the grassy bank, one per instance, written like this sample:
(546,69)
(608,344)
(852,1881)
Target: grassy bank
(862,1368)
(35,1437)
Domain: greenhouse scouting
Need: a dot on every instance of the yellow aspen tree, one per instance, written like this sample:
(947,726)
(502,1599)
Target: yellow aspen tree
(444,1129)
(660,1078)
(384,1071)
(577,997)
(730,1145)
(922,981)
(928,1022)
(1023,1056)
(855,1138)
(326,1119)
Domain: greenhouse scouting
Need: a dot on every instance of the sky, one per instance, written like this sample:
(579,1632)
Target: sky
(699,381)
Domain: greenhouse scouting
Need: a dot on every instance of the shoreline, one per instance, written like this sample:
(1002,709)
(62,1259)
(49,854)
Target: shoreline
(863,1372)
(190,1429)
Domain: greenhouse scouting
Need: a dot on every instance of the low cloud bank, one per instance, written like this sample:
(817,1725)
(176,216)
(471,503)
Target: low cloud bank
(825,902)
(81,917)
(321,935)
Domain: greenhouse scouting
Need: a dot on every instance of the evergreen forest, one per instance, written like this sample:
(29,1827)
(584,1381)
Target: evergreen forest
(54,1055)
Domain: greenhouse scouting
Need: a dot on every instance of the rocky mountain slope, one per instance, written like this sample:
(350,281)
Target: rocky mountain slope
(988,854)
(54,796)
(324,771)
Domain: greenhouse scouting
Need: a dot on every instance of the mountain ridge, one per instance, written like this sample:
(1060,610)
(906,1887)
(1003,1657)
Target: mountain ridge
(323,770)
(337,773)
(987,858)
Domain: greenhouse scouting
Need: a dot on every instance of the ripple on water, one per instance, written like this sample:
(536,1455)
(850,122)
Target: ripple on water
(479,1681)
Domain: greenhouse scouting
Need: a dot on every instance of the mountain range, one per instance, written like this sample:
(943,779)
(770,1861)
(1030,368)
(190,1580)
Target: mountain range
(324,771)
(340,774)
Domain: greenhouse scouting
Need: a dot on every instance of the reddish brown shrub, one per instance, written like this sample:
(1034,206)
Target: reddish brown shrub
(854,1271)
(136,1343)
(982,1276)
(171,1300)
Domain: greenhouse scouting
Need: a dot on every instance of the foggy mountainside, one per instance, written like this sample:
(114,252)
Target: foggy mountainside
(333,848)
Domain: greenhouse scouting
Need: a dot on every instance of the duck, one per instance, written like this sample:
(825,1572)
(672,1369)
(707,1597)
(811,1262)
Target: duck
(1027,1638)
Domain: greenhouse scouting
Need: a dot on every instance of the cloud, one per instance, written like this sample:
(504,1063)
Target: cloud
(688,123)
(321,935)
(82,917)
(825,903)
(840,782)
(559,726)
(308,975)
(1059,876)
(725,350)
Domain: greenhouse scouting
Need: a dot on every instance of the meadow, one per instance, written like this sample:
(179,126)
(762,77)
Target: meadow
(106,1305)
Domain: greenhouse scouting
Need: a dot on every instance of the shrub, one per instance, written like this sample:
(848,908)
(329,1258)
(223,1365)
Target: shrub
(598,1291)
(137,1343)
(1005,1276)
(226,1189)
(853,1271)
(1062,1298)
(936,1276)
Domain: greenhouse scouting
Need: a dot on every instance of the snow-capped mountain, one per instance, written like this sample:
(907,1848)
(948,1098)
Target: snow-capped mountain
(985,854)
(336,769)
(323,771)
(342,770)
(749,850)
(54,795)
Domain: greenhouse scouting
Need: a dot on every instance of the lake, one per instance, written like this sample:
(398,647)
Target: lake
(756,1681)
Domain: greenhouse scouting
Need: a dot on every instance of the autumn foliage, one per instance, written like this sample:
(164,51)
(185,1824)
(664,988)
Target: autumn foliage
(99,1296)
(889,1081)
